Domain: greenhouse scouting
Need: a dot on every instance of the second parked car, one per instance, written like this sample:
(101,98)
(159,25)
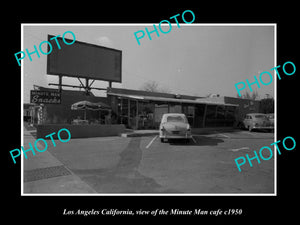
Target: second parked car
(257,121)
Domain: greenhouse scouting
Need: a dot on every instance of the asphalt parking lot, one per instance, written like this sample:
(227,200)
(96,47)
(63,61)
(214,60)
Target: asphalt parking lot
(145,165)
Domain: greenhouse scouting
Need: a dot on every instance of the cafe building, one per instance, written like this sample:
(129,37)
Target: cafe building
(143,110)
(137,109)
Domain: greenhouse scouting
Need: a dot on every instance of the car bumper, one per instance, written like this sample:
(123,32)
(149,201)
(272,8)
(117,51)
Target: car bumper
(175,136)
(262,128)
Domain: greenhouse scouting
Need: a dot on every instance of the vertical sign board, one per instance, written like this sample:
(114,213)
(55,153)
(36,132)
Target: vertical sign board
(45,97)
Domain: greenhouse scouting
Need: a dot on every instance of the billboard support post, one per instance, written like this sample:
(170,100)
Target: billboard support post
(87,87)
(59,83)
(87,83)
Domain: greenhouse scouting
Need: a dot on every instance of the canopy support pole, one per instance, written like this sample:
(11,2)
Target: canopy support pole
(59,83)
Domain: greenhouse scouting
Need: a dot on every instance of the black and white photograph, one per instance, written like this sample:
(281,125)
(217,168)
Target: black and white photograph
(149,113)
(158,115)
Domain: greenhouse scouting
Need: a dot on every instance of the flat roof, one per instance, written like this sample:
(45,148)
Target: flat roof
(164,99)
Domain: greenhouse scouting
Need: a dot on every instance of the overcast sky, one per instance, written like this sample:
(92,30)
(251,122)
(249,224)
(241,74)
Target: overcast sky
(195,59)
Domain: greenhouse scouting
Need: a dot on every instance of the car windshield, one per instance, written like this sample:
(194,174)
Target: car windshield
(260,116)
(175,119)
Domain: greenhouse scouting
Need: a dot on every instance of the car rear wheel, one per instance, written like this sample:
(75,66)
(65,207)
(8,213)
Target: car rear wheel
(250,128)
(241,126)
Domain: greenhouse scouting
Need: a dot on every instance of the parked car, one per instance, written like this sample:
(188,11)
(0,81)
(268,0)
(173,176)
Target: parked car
(174,126)
(257,121)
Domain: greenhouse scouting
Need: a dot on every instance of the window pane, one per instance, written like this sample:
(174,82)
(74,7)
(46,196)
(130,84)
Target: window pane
(210,120)
(176,119)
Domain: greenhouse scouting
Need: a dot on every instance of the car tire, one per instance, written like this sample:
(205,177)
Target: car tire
(242,126)
(162,140)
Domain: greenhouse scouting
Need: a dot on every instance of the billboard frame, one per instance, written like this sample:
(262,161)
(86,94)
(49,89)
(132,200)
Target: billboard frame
(80,76)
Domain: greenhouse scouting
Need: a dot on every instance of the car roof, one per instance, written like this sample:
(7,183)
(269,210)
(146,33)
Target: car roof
(173,114)
(255,114)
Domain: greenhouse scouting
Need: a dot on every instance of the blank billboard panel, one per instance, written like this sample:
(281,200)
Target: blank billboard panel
(84,60)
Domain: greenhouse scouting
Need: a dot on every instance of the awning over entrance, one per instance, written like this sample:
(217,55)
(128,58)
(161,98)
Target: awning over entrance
(175,100)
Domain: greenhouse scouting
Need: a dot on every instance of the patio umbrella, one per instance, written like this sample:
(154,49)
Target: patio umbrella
(86,105)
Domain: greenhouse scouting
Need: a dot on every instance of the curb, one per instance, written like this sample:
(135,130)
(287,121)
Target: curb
(127,135)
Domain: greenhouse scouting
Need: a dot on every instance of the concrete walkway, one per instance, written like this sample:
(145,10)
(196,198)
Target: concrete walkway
(45,174)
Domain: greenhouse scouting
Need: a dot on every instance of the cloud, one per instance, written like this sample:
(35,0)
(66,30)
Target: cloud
(105,41)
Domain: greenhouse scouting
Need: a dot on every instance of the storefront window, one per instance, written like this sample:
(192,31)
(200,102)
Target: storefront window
(210,120)
(199,115)
(133,114)
(124,111)
(146,115)
(220,116)
(189,112)
(175,108)
(159,110)
(230,115)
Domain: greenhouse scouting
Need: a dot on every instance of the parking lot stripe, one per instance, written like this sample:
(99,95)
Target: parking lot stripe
(238,149)
(249,133)
(224,135)
(194,140)
(150,143)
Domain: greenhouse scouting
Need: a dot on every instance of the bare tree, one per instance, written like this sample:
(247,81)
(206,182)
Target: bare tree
(267,105)
(248,96)
(152,86)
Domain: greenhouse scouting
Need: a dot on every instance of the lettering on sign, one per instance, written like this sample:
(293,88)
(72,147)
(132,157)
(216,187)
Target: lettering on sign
(45,97)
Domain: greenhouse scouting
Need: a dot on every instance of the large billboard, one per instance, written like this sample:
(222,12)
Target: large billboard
(84,60)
